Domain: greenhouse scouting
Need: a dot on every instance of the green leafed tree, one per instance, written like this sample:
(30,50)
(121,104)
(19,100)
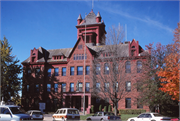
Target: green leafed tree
(10,70)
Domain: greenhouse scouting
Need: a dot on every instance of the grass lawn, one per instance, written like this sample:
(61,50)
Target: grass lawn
(124,117)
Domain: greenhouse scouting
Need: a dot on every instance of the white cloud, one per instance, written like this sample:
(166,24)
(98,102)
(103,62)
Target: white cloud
(114,9)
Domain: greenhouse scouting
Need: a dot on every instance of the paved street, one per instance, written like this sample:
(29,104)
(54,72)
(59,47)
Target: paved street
(48,117)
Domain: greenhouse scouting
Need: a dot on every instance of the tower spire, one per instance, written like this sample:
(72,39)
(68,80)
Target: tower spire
(92,4)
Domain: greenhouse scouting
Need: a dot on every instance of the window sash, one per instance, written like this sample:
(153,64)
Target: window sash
(128,102)
(48,87)
(79,70)
(87,70)
(64,87)
(55,88)
(72,87)
(56,72)
(87,86)
(128,86)
(72,71)
(64,71)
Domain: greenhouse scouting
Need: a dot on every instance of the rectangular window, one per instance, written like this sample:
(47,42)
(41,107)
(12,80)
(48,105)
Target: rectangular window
(98,69)
(87,87)
(71,70)
(77,57)
(64,71)
(97,87)
(37,71)
(128,102)
(64,87)
(79,46)
(27,88)
(128,86)
(115,87)
(74,56)
(85,56)
(56,72)
(48,87)
(29,72)
(80,87)
(49,72)
(87,70)
(80,56)
(79,70)
(55,88)
(139,105)
(71,87)
(37,88)
(106,87)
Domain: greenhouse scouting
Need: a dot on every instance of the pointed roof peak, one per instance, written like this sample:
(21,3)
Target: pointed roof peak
(91,11)
(79,17)
(98,14)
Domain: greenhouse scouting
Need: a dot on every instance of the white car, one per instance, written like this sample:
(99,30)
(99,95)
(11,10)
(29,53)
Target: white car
(65,114)
(150,117)
(35,114)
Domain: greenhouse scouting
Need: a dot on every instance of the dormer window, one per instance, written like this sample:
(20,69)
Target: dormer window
(57,57)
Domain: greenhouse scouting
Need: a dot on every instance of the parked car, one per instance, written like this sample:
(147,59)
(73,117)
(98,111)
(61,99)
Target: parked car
(65,114)
(35,114)
(103,116)
(150,117)
(12,113)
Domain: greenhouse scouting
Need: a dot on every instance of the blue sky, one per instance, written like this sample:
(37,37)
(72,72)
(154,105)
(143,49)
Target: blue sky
(51,24)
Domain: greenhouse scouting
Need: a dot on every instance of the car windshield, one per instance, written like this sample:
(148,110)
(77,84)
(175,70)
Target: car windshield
(109,114)
(70,111)
(37,113)
(157,115)
(15,110)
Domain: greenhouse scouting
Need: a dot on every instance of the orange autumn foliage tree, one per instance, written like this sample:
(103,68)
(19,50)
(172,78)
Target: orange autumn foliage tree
(170,74)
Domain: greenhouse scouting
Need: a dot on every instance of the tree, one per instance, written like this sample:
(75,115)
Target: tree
(109,84)
(150,84)
(169,74)
(10,70)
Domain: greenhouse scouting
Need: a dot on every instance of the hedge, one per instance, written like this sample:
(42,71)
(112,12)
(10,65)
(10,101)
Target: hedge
(131,111)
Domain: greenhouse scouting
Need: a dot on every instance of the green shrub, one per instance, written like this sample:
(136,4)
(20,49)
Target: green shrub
(100,107)
(131,111)
(92,108)
(109,108)
(105,108)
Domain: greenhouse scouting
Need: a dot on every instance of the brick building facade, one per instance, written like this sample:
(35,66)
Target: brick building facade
(56,77)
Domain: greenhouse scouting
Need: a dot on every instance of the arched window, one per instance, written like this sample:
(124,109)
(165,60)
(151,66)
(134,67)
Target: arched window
(106,68)
(139,66)
(128,67)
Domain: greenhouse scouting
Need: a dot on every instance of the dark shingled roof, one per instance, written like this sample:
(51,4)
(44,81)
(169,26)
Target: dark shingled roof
(46,55)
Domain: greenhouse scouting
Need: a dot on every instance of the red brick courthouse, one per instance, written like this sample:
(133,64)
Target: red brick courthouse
(56,76)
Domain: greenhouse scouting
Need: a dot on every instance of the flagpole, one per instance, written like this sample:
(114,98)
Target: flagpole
(84,66)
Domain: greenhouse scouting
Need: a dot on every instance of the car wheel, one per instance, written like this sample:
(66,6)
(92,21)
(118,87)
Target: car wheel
(88,119)
(102,119)
(153,120)
(132,120)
